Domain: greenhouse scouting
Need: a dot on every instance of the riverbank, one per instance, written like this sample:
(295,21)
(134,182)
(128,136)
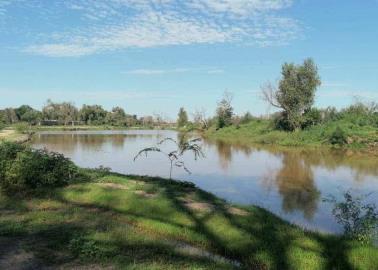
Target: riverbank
(12,135)
(108,220)
(263,132)
(91,128)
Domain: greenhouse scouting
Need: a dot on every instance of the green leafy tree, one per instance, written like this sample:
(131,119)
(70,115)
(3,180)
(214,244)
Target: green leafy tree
(116,117)
(20,111)
(64,112)
(9,116)
(32,117)
(295,93)
(182,118)
(93,114)
(225,111)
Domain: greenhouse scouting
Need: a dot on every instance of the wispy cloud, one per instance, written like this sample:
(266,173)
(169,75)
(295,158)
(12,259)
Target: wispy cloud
(172,71)
(364,94)
(108,25)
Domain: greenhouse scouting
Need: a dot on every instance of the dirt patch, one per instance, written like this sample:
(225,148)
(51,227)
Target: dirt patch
(13,257)
(237,211)
(142,193)
(187,249)
(113,186)
(199,206)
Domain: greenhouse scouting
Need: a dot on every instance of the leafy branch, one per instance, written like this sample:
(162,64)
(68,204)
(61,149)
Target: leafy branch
(175,156)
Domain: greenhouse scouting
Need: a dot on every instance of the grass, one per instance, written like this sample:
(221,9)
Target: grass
(11,134)
(131,222)
(263,132)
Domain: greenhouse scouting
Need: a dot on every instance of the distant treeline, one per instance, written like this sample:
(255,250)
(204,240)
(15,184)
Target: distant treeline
(66,113)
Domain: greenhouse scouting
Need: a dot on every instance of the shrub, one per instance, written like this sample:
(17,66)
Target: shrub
(84,248)
(246,118)
(22,127)
(311,117)
(338,137)
(359,220)
(282,121)
(25,169)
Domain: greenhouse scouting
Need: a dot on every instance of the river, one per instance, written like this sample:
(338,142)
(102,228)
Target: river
(291,183)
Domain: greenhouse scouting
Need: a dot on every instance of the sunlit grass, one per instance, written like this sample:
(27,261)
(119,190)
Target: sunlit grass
(146,223)
(263,131)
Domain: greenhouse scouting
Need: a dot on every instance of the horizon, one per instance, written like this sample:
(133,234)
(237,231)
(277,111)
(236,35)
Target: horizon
(157,56)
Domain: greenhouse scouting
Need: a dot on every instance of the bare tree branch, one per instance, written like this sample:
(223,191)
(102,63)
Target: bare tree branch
(269,94)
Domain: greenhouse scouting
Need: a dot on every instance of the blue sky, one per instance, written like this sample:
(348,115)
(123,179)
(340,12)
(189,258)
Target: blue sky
(154,56)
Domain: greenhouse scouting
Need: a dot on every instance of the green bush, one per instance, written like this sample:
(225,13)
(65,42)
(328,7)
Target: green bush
(23,169)
(22,127)
(359,219)
(338,137)
(311,118)
(84,248)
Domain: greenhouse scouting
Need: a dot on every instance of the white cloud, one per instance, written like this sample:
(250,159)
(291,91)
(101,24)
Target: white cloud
(239,7)
(121,24)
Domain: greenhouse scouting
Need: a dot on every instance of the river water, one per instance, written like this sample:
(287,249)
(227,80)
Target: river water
(292,183)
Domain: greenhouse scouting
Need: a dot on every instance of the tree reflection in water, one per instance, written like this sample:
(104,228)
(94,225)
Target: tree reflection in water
(295,183)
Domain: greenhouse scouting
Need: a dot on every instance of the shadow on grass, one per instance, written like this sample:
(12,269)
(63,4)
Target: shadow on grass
(267,244)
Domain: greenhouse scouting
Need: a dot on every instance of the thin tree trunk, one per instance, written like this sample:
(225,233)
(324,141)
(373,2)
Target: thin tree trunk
(170,172)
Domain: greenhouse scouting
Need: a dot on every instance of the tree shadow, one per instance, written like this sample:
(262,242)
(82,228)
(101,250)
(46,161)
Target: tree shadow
(261,236)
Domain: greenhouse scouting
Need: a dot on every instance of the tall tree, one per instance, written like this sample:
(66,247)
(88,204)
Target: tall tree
(225,111)
(182,119)
(64,112)
(295,93)
(20,111)
(116,117)
(32,117)
(10,116)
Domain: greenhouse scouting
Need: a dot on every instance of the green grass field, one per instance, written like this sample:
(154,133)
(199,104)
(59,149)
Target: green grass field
(130,222)
(263,132)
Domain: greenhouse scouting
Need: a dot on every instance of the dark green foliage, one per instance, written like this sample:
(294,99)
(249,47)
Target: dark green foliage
(311,117)
(225,111)
(117,117)
(359,220)
(20,111)
(295,93)
(246,118)
(338,137)
(23,169)
(361,114)
(330,114)
(182,119)
(92,114)
(84,248)
(32,117)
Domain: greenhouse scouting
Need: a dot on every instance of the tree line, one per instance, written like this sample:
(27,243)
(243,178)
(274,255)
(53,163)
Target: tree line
(66,113)
(293,96)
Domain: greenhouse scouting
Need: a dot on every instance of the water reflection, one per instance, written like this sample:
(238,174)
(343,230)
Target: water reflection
(291,183)
(295,182)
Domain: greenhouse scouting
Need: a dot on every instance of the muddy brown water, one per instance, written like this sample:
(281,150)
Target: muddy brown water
(292,183)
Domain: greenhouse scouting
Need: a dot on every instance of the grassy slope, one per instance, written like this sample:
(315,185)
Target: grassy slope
(9,134)
(144,223)
(262,131)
